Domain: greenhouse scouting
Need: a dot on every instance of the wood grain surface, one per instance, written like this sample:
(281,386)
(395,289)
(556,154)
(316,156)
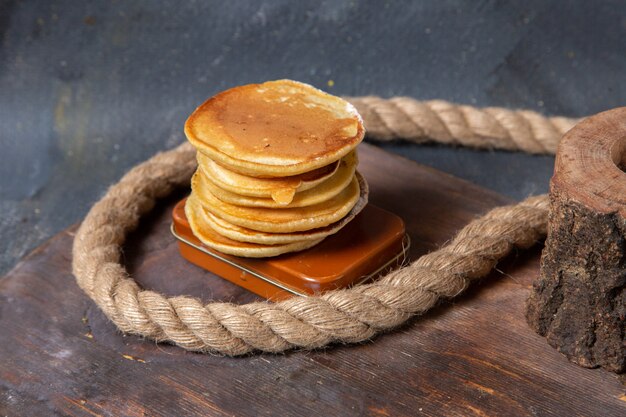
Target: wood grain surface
(473,356)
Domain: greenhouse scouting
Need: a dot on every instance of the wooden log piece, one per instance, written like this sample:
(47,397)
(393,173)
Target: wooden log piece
(579,301)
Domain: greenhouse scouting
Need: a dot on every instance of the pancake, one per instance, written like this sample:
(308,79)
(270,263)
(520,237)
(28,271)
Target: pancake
(243,234)
(214,240)
(318,194)
(284,220)
(277,129)
(281,190)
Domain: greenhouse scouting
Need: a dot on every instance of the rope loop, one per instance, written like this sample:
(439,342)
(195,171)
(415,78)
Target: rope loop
(347,316)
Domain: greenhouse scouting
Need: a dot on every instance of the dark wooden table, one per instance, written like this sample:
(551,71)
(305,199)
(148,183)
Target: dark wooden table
(474,355)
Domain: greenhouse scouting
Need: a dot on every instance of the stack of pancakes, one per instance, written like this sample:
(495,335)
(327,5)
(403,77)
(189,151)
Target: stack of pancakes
(276,168)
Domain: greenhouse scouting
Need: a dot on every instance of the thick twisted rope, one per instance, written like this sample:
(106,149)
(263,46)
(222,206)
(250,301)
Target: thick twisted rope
(449,123)
(346,316)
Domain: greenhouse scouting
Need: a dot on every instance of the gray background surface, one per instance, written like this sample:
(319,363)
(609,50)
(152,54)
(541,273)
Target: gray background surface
(90,88)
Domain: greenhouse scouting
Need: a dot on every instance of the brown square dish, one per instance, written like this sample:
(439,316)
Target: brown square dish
(374,241)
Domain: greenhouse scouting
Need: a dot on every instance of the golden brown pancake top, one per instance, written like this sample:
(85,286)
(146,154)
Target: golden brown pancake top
(276,120)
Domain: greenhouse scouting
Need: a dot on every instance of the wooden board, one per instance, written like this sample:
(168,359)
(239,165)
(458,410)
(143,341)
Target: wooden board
(472,356)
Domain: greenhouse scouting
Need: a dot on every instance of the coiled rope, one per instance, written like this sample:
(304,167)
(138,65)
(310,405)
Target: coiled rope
(346,316)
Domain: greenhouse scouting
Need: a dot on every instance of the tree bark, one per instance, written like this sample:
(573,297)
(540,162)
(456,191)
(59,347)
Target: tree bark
(579,301)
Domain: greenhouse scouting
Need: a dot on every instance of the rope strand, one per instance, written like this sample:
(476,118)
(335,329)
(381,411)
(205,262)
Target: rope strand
(454,124)
(347,316)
